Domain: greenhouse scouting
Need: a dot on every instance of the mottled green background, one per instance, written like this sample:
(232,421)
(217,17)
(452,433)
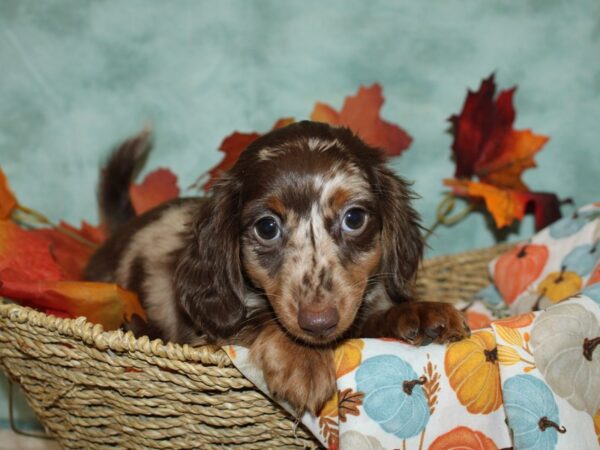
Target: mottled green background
(78,76)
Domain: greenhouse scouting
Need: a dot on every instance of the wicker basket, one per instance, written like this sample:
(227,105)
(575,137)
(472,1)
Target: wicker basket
(96,389)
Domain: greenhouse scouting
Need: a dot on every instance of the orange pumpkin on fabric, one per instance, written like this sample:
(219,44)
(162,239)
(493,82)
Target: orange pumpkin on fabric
(471,366)
(558,286)
(595,277)
(517,269)
(463,438)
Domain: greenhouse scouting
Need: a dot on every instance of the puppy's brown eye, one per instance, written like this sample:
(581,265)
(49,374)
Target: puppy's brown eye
(354,220)
(267,228)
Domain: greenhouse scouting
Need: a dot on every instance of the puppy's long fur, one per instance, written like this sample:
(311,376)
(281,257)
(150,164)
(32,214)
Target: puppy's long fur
(307,240)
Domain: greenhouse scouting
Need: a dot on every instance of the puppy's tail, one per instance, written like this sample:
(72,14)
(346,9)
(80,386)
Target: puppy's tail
(120,171)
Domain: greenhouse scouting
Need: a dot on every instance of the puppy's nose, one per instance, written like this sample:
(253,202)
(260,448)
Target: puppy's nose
(319,322)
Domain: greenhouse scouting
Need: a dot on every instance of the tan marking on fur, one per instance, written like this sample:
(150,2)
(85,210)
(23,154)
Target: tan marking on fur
(302,261)
(258,275)
(339,198)
(355,186)
(303,376)
(275,205)
(155,244)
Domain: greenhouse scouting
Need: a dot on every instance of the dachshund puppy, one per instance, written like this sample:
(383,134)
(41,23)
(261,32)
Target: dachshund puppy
(309,239)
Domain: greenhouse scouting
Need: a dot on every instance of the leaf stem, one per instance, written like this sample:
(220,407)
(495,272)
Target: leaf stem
(26,215)
(443,211)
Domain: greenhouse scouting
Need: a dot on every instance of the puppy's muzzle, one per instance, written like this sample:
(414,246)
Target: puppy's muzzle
(320,322)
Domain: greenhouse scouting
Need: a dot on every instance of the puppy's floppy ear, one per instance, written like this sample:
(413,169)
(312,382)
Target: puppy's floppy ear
(402,241)
(208,278)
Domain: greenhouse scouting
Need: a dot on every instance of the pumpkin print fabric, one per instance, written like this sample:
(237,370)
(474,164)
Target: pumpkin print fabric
(555,264)
(495,390)
(528,381)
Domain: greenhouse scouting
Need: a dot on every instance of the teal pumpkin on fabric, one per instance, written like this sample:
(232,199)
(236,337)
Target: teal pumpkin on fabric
(593,292)
(394,397)
(582,259)
(532,413)
(568,226)
(490,296)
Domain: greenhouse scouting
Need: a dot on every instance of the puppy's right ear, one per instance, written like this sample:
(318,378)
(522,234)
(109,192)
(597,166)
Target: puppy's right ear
(208,278)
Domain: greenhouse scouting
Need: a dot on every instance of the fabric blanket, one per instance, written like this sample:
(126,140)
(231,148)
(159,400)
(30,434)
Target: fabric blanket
(528,381)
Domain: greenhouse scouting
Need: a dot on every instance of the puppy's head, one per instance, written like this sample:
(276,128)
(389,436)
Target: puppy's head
(311,217)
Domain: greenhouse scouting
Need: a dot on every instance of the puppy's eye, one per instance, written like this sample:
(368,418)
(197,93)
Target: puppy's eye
(354,220)
(267,228)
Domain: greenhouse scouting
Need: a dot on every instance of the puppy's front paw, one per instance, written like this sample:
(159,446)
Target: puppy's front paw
(302,376)
(422,323)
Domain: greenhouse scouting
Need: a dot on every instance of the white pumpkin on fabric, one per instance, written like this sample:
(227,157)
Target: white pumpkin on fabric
(530,301)
(566,348)
(353,440)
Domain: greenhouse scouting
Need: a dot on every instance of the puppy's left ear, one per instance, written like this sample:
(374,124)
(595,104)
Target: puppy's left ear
(208,282)
(402,241)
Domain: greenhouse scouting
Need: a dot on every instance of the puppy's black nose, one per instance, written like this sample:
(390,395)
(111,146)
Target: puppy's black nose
(318,322)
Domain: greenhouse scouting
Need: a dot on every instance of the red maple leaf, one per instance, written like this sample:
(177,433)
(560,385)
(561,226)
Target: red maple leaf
(8,202)
(158,187)
(25,256)
(487,147)
(360,113)
(71,247)
(233,146)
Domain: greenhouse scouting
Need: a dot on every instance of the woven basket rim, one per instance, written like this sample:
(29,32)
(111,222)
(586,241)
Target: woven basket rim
(121,341)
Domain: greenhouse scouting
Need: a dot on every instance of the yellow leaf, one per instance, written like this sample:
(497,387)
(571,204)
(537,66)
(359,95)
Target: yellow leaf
(348,357)
(510,335)
(330,409)
(507,356)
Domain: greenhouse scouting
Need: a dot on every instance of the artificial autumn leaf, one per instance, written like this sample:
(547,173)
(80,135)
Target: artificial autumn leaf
(72,247)
(103,303)
(25,255)
(158,187)
(486,146)
(507,205)
(91,233)
(8,201)
(233,146)
(360,113)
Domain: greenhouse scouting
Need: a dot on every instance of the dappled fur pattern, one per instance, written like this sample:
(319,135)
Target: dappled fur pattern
(341,264)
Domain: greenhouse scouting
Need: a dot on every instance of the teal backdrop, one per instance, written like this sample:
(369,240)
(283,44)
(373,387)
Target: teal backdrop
(76,77)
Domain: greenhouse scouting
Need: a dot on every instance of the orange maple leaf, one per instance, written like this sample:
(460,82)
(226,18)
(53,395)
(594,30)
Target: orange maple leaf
(72,247)
(8,201)
(360,113)
(486,146)
(508,205)
(233,146)
(103,303)
(158,187)
(25,256)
